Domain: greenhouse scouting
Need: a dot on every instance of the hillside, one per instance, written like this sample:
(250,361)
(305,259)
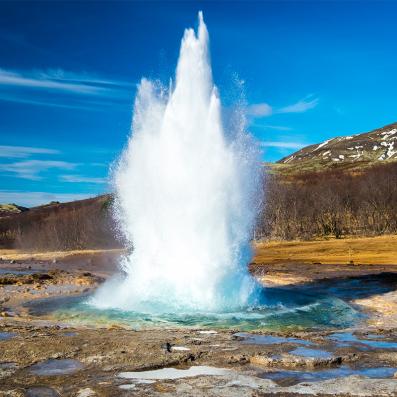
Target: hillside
(345,152)
(58,226)
(310,194)
(11,209)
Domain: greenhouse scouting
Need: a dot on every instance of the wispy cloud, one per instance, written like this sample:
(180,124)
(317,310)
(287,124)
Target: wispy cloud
(259,110)
(82,179)
(55,103)
(283,145)
(24,151)
(300,107)
(31,199)
(59,81)
(271,127)
(60,88)
(263,109)
(31,169)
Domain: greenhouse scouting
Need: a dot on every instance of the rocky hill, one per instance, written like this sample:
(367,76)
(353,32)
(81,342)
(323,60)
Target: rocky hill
(11,209)
(366,149)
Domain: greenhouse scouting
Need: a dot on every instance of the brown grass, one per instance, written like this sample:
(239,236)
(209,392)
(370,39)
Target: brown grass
(380,250)
(20,255)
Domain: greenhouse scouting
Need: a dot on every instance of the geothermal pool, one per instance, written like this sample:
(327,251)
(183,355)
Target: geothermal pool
(321,305)
(281,310)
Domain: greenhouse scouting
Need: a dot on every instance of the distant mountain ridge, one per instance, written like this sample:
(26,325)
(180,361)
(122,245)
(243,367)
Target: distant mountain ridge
(370,148)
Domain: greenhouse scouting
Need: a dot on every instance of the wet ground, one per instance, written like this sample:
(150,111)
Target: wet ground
(43,354)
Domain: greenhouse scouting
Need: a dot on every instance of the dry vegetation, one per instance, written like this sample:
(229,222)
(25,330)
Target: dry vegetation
(25,255)
(307,206)
(380,250)
(330,203)
(84,224)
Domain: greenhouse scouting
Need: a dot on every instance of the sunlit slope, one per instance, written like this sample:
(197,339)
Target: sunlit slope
(351,152)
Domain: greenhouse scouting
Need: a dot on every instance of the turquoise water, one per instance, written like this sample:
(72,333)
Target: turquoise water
(279,309)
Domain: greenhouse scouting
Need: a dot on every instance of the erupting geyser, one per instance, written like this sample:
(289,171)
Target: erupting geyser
(186,196)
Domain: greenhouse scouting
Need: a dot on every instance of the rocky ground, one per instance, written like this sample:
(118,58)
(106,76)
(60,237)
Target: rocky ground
(42,357)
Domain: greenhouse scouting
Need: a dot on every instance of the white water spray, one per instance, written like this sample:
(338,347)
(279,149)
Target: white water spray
(186,197)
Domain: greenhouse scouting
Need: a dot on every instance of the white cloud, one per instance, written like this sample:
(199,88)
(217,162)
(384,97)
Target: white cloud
(263,109)
(299,107)
(283,145)
(58,80)
(31,169)
(82,179)
(24,151)
(259,110)
(271,127)
(10,78)
(31,199)
(39,87)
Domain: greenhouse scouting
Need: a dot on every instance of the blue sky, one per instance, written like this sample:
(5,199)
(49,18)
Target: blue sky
(68,75)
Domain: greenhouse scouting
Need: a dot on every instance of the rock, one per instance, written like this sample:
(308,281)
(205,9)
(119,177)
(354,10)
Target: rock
(87,392)
(164,388)
(290,361)
(167,347)
(42,276)
(114,327)
(6,314)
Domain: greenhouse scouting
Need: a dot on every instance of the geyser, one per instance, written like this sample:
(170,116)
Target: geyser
(186,197)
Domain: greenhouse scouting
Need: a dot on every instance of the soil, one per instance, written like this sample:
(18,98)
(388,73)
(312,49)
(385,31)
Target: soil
(98,360)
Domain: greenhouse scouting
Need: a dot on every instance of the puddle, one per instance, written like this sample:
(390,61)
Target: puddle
(313,376)
(127,387)
(130,386)
(7,369)
(374,336)
(312,353)
(345,339)
(9,365)
(174,373)
(70,334)
(252,339)
(41,392)
(56,367)
(7,335)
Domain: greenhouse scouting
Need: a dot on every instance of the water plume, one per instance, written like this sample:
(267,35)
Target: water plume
(186,197)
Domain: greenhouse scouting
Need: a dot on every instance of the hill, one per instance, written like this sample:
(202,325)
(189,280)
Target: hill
(312,193)
(79,224)
(11,209)
(345,152)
